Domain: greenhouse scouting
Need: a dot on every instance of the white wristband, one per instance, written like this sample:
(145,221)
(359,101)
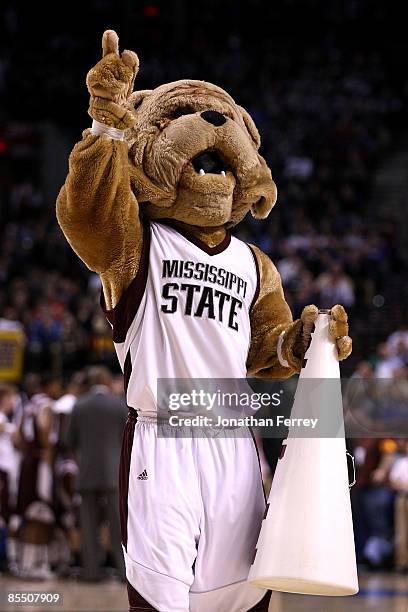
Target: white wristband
(281,358)
(99,128)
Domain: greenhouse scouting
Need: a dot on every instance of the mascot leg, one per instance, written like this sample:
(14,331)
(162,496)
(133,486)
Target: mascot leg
(160,513)
(191,521)
(233,506)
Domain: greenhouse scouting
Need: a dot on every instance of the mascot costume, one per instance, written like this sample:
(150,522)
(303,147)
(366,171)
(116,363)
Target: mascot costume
(152,191)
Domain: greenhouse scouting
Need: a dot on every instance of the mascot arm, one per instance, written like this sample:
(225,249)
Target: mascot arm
(270,317)
(96,207)
(278,343)
(99,214)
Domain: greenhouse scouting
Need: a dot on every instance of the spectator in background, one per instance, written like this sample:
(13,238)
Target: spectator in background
(9,465)
(290,266)
(363,370)
(118,385)
(94,434)
(65,547)
(397,342)
(35,500)
(373,500)
(335,287)
(8,456)
(399,482)
(388,363)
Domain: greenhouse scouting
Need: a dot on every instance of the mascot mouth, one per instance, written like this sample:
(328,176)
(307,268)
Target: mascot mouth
(209,162)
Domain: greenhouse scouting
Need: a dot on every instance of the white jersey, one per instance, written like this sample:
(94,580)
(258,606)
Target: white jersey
(8,454)
(185,314)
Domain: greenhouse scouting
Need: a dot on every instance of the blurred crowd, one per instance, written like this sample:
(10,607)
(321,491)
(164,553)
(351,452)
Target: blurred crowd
(330,103)
(59,463)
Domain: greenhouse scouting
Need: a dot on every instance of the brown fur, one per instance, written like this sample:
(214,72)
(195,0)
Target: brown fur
(111,185)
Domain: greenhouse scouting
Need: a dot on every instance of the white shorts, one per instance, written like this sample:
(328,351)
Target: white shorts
(194,511)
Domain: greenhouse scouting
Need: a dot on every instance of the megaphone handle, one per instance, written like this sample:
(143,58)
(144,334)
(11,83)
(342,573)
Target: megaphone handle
(353,463)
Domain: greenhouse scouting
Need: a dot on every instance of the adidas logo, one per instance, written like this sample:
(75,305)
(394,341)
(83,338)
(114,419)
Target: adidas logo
(143,475)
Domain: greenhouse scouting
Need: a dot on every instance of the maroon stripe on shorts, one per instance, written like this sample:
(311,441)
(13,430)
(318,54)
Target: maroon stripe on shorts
(4,496)
(136,601)
(124,468)
(259,461)
(261,606)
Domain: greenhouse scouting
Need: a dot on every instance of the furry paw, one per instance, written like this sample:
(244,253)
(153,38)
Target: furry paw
(110,84)
(338,331)
(308,318)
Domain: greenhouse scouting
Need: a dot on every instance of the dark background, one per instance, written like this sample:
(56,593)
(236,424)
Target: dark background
(326,84)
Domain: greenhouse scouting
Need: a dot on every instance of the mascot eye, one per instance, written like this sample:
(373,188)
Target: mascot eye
(182,110)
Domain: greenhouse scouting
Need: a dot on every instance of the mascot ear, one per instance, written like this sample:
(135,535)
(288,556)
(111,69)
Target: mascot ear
(251,127)
(262,208)
(267,194)
(137,97)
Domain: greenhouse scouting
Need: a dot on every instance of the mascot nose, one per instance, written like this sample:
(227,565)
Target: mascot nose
(213,117)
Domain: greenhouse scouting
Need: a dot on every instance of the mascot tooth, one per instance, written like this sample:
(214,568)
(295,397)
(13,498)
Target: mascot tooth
(153,190)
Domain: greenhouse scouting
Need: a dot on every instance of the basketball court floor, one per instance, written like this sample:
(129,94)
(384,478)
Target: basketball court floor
(378,593)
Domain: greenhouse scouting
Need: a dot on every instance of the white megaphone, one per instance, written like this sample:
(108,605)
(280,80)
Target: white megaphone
(306,542)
